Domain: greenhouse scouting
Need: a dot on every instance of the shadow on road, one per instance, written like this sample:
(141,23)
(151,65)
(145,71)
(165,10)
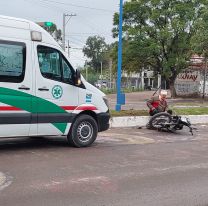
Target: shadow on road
(23,143)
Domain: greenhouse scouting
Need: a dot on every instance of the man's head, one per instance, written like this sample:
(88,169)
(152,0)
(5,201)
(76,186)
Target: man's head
(163,94)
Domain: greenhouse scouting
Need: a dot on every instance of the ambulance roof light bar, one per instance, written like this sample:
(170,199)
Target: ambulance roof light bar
(36,36)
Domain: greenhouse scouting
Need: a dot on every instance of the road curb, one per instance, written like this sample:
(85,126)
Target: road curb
(133,121)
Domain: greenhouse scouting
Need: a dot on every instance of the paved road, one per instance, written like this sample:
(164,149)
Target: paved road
(137,100)
(125,167)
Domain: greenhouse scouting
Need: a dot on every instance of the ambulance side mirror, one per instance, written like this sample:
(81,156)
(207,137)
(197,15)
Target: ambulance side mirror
(78,78)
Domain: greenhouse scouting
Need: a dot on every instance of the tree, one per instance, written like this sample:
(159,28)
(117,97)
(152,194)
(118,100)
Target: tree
(130,60)
(95,50)
(200,38)
(91,77)
(159,33)
(54,31)
(200,42)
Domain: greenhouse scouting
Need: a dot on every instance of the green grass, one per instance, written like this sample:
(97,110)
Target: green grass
(108,91)
(190,104)
(178,111)
(191,111)
(126,90)
(129,113)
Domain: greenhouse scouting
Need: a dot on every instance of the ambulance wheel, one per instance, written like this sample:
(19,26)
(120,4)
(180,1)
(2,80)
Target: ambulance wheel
(83,131)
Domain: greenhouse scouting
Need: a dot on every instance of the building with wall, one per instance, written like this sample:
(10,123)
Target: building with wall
(142,80)
(191,82)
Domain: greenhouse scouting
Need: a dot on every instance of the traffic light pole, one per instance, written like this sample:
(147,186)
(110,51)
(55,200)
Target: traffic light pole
(120,96)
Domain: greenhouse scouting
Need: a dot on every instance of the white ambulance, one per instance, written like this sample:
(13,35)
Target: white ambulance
(40,92)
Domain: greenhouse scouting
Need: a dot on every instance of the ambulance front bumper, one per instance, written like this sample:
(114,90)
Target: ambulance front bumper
(103,121)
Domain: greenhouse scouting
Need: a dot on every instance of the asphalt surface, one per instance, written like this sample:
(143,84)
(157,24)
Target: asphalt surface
(124,167)
(137,101)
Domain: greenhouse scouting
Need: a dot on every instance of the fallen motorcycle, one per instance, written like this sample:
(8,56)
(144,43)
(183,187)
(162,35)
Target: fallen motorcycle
(166,122)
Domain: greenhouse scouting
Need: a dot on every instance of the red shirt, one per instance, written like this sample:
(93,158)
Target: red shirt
(157,103)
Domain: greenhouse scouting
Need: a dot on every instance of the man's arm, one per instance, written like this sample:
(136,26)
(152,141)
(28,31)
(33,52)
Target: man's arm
(164,106)
(149,103)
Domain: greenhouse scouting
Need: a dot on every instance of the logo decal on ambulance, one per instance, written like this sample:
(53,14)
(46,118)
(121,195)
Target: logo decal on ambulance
(88,98)
(57,92)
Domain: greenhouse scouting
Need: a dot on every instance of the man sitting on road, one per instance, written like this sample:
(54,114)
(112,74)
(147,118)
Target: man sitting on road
(158,103)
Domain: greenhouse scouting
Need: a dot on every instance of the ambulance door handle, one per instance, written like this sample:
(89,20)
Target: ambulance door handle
(23,87)
(43,89)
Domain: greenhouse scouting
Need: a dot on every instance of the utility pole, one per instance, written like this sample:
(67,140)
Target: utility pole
(86,73)
(110,75)
(64,27)
(86,70)
(101,71)
(205,75)
(68,47)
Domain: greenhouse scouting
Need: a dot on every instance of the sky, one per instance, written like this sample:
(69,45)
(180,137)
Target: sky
(93,17)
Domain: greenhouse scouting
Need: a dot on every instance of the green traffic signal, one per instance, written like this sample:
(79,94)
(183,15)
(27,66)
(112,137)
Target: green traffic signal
(48,24)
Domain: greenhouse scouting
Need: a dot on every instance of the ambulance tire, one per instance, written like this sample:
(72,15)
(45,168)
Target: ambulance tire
(83,131)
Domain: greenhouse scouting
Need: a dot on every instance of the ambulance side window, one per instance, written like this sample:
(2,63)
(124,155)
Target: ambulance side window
(53,65)
(12,61)
(68,72)
(49,63)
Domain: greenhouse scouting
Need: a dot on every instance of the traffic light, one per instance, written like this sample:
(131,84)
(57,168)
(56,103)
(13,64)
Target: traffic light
(45,24)
(48,24)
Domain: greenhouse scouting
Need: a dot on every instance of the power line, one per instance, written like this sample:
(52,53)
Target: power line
(49,7)
(75,43)
(76,48)
(90,33)
(87,34)
(77,40)
(58,9)
(79,6)
(78,58)
(91,25)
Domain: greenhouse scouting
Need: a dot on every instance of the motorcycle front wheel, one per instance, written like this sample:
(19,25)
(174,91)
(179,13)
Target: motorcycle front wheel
(159,120)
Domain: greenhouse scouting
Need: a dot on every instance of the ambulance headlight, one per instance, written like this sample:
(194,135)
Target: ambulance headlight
(105,99)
